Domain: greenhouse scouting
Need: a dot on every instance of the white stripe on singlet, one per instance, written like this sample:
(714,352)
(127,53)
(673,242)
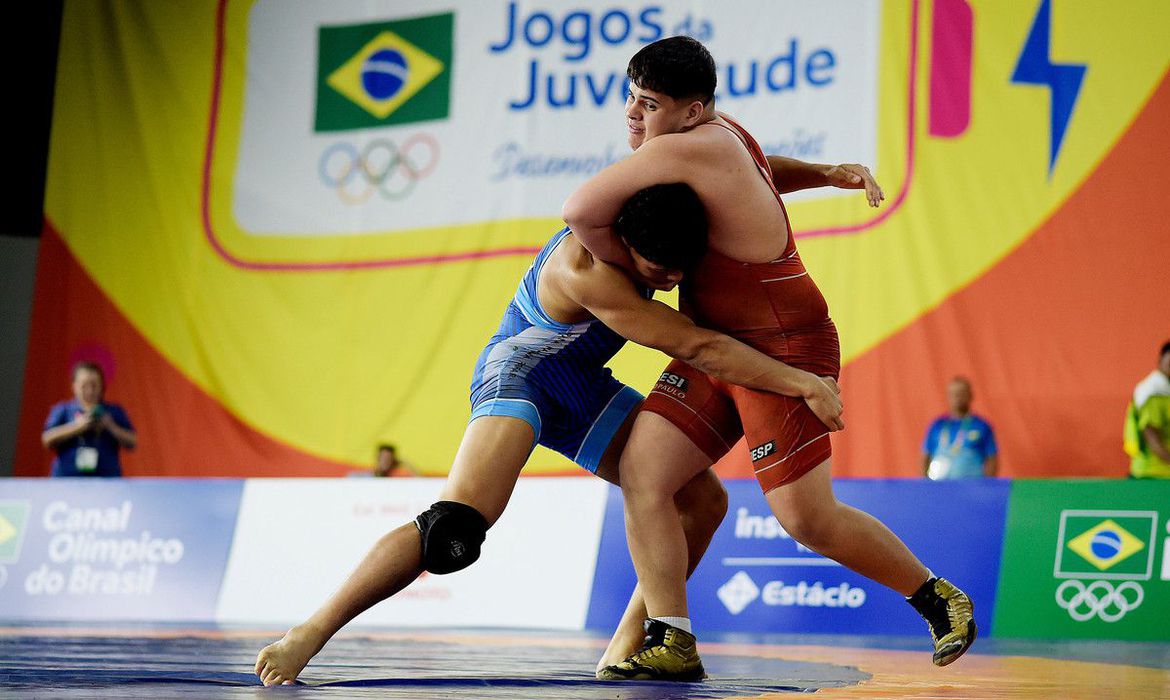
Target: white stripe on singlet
(789,277)
(763,469)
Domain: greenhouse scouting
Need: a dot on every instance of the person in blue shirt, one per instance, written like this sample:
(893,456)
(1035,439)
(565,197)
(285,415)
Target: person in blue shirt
(86,432)
(960,444)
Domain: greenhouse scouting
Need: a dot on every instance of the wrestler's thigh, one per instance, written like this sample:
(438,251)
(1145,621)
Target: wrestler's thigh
(659,457)
(493,451)
(611,461)
(807,495)
(785,439)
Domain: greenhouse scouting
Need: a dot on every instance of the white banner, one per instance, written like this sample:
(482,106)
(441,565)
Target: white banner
(298,539)
(523,101)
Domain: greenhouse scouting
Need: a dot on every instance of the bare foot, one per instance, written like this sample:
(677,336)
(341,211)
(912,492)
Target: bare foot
(281,662)
(620,647)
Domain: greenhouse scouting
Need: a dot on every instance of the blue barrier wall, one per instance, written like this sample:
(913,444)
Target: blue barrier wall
(145,550)
(754,578)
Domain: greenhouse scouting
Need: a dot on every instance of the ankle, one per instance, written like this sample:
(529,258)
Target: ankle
(309,634)
(682,623)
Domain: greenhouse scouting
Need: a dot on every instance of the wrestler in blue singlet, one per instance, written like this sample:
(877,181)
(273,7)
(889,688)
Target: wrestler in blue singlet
(552,375)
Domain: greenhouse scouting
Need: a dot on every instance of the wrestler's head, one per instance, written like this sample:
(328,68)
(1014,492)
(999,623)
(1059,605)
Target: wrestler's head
(672,88)
(665,228)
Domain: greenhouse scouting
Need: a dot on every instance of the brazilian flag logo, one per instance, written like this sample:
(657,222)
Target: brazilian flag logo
(12,517)
(1106,544)
(1096,543)
(384,73)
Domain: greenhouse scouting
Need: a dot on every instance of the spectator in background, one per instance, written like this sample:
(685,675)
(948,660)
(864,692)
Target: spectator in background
(86,432)
(1147,424)
(959,445)
(388,462)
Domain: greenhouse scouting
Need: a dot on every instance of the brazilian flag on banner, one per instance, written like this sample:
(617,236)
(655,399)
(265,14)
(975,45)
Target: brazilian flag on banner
(1106,542)
(383,73)
(12,517)
(1086,560)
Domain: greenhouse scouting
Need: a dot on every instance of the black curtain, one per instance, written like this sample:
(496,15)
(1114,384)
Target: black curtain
(30,53)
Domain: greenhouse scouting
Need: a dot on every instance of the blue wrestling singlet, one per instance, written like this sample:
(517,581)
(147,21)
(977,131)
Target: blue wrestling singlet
(553,375)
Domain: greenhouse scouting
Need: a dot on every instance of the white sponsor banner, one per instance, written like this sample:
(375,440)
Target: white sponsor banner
(114,549)
(536,105)
(297,540)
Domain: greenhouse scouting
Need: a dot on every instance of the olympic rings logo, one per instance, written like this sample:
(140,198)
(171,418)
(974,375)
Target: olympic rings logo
(1099,599)
(382,166)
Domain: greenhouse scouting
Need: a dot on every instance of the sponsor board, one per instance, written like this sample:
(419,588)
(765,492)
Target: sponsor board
(360,117)
(305,536)
(112,549)
(756,578)
(1087,560)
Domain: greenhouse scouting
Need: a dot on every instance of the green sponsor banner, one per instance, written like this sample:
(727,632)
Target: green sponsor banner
(1086,559)
(384,73)
(13,515)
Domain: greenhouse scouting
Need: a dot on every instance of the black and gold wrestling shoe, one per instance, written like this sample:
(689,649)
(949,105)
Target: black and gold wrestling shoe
(949,613)
(669,654)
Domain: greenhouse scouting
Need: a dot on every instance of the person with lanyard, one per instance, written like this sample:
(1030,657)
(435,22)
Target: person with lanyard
(959,445)
(1147,423)
(86,432)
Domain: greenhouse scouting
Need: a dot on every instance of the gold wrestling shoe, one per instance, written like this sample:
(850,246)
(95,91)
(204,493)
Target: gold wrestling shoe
(669,654)
(949,613)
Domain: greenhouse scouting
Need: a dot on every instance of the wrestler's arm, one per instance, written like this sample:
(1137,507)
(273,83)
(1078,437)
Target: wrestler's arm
(610,296)
(790,175)
(592,208)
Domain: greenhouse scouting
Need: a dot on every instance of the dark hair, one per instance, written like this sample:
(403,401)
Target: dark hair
(678,66)
(92,367)
(666,224)
(387,446)
(1165,349)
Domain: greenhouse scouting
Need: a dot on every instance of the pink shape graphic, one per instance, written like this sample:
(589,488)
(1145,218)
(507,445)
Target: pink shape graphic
(952,37)
(97,353)
(911,121)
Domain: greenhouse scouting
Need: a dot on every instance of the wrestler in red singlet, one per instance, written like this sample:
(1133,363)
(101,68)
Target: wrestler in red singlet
(776,308)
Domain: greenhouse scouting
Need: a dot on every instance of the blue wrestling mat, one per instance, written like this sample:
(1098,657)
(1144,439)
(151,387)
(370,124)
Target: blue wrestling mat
(184,664)
(162,663)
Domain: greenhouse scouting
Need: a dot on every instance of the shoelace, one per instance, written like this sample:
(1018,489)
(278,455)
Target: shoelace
(961,608)
(946,618)
(649,653)
(651,648)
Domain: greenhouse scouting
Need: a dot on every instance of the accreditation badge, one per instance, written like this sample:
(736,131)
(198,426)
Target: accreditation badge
(940,468)
(86,459)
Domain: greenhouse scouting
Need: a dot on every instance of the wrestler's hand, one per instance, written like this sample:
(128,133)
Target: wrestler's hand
(851,176)
(823,397)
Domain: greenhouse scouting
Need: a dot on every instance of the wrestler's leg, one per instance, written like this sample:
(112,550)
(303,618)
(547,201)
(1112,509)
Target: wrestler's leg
(659,460)
(808,510)
(660,463)
(493,451)
(701,505)
(810,513)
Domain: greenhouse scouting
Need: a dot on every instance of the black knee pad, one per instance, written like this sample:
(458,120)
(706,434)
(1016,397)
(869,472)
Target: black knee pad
(451,535)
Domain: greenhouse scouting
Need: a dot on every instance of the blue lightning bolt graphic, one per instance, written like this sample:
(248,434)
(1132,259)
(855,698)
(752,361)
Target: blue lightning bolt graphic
(1034,67)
